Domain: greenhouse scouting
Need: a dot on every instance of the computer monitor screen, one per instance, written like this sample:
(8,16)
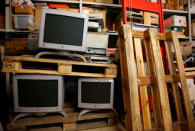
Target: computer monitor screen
(96,93)
(30,93)
(38,93)
(63,30)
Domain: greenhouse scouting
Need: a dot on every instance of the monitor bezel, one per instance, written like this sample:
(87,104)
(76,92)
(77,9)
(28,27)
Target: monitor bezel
(95,105)
(59,46)
(58,108)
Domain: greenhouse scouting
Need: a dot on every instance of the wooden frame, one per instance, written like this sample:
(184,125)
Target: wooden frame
(132,46)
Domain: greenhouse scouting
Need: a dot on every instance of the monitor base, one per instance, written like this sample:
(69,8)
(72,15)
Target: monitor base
(21,115)
(84,111)
(62,54)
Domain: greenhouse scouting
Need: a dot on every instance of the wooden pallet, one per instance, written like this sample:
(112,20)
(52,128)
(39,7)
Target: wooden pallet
(19,64)
(87,121)
(133,44)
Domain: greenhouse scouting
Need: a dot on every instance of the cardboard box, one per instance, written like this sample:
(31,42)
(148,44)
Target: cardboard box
(2,22)
(186,48)
(177,21)
(193,44)
(104,1)
(23,10)
(193,27)
(38,14)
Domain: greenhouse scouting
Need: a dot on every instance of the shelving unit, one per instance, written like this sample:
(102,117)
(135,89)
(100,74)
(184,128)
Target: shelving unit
(188,15)
(81,3)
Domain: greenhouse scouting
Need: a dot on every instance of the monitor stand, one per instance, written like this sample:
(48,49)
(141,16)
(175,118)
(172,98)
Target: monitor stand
(62,54)
(21,115)
(84,111)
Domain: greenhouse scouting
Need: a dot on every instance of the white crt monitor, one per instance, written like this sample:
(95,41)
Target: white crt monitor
(95,93)
(38,93)
(63,30)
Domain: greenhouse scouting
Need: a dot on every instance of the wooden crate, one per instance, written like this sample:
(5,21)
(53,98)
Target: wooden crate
(87,121)
(19,64)
(16,45)
(133,44)
(175,4)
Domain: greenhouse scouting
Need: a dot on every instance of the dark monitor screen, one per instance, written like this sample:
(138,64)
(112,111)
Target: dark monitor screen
(37,93)
(65,30)
(95,92)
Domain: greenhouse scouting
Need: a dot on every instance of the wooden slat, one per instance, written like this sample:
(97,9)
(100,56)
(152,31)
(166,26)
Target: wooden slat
(190,69)
(185,89)
(143,89)
(142,34)
(126,46)
(150,80)
(154,89)
(123,63)
(68,62)
(190,75)
(175,87)
(163,95)
(52,72)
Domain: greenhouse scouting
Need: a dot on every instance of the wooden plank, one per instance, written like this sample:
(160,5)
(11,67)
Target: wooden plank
(110,128)
(123,63)
(52,72)
(126,46)
(143,89)
(71,118)
(142,34)
(175,87)
(25,58)
(185,89)
(150,80)
(190,75)
(153,88)
(163,95)
(190,69)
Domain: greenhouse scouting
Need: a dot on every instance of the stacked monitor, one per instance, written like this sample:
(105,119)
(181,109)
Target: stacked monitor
(45,93)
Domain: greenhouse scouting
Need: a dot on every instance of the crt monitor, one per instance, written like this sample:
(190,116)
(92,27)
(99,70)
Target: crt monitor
(95,93)
(38,93)
(63,30)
